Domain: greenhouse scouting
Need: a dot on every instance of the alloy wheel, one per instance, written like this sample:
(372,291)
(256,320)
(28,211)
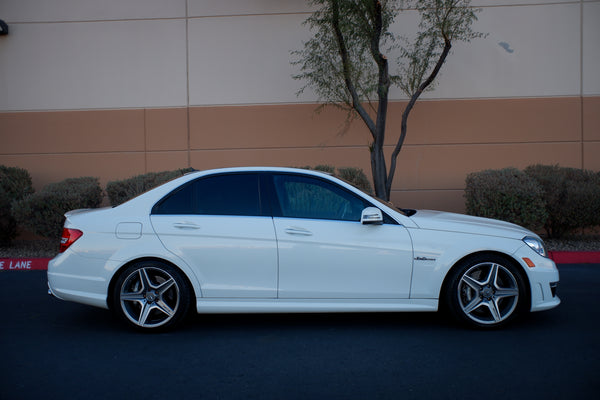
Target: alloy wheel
(149,297)
(488,293)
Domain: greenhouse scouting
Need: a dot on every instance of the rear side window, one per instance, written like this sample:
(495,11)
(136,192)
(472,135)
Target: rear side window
(232,194)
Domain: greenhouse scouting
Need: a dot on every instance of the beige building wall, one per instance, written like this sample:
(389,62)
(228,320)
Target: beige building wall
(131,86)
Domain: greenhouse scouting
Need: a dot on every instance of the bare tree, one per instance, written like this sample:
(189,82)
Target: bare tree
(345,62)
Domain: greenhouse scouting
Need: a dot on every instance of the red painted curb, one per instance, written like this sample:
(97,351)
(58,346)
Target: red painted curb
(24,264)
(559,257)
(575,257)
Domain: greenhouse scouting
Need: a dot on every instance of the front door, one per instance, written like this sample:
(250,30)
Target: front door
(324,250)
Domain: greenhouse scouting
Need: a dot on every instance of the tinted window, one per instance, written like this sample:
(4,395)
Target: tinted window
(235,194)
(307,197)
(182,201)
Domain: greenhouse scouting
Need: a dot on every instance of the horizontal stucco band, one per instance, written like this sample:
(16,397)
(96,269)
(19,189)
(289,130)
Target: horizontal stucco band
(446,140)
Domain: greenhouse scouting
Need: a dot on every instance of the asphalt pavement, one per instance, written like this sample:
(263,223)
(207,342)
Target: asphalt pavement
(52,349)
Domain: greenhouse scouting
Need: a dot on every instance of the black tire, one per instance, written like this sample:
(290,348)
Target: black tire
(151,296)
(486,291)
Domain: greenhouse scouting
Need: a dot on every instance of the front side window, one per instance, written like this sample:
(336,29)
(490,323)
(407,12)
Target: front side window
(232,194)
(308,197)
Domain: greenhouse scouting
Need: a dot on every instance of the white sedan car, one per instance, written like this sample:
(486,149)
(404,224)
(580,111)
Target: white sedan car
(262,240)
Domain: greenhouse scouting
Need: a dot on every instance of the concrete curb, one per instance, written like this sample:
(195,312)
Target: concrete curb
(559,257)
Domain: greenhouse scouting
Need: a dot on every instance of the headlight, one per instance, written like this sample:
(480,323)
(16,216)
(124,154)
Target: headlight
(536,245)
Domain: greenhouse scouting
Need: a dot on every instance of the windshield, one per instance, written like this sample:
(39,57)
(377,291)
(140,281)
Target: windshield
(405,211)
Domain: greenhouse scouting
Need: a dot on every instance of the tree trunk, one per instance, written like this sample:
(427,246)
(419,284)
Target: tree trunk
(377,127)
(379,171)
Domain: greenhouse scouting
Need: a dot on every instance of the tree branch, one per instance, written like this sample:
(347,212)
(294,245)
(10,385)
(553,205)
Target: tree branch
(409,107)
(356,104)
(383,84)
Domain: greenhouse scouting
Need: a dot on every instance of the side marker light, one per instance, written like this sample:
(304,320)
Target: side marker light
(529,263)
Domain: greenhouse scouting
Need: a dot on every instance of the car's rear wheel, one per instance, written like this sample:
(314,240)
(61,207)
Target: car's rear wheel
(151,295)
(486,291)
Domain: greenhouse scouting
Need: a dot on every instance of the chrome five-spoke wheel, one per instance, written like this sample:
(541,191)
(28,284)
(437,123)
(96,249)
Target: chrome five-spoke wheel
(486,292)
(151,295)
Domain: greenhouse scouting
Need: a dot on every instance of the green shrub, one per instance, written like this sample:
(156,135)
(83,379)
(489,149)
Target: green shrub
(355,176)
(15,184)
(15,181)
(8,224)
(507,194)
(120,191)
(572,197)
(325,168)
(43,212)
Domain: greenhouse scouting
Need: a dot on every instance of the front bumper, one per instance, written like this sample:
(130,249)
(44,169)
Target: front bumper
(543,279)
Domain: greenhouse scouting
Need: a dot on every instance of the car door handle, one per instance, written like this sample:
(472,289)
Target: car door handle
(185,225)
(298,231)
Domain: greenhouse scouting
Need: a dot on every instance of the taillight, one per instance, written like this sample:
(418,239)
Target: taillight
(69,236)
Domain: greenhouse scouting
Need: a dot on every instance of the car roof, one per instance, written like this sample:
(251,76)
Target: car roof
(154,194)
(259,169)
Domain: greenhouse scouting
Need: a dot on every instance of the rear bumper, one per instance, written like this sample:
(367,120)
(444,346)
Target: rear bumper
(67,279)
(50,292)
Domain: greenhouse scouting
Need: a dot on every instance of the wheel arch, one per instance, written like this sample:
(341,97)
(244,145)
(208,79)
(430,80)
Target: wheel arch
(519,267)
(119,271)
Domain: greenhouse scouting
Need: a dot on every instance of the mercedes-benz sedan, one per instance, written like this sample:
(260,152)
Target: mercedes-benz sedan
(269,240)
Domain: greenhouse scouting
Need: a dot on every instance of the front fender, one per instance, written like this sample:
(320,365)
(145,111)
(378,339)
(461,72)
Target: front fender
(436,252)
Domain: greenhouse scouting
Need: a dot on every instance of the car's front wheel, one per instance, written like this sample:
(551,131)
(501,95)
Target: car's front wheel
(151,295)
(486,291)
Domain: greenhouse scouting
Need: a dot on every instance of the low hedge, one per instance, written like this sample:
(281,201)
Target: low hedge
(506,194)
(572,197)
(324,168)
(122,190)
(15,184)
(555,198)
(43,212)
(356,176)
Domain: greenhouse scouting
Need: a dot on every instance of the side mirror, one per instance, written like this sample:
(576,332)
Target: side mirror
(371,216)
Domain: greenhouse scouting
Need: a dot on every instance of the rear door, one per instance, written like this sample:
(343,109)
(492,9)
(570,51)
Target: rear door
(220,227)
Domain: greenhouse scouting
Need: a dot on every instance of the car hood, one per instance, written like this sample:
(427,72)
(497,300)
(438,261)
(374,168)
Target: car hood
(445,221)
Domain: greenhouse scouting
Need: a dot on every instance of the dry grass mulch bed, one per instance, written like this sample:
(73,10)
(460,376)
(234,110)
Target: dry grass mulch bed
(574,243)
(41,248)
